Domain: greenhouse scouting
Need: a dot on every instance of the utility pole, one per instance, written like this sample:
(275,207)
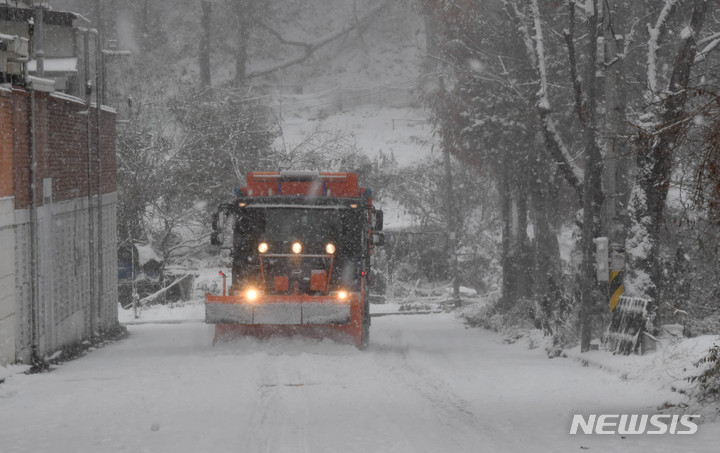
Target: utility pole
(450,202)
(91,236)
(39,41)
(617,160)
(592,189)
(100,45)
(99,100)
(33,230)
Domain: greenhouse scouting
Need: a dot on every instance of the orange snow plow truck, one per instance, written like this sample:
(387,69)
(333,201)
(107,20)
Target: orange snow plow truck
(301,246)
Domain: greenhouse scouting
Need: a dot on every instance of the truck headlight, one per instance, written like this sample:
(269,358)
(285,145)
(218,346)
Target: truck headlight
(263,247)
(296,247)
(251,294)
(330,248)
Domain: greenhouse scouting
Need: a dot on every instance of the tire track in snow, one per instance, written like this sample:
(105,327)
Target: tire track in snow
(465,431)
(264,411)
(274,426)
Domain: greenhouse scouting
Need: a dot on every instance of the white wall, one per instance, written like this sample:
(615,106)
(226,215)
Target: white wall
(66,312)
(7,280)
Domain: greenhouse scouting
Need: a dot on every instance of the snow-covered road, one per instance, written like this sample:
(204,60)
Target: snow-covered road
(426,384)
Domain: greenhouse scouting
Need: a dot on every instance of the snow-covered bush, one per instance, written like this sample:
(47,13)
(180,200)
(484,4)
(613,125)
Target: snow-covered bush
(485,315)
(708,381)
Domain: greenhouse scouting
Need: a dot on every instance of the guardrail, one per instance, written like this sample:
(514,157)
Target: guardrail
(628,325)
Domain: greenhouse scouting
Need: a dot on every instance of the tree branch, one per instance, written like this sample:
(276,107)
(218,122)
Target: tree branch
(654,44)
(706,50)
(282,40)
(568,34)
(554,143)
(312,47)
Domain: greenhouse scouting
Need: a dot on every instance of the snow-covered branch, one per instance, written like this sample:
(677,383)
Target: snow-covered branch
(570,169)
(540,50)
(706,50)
(536,54)
(654,44)
(629,39)
(569,34)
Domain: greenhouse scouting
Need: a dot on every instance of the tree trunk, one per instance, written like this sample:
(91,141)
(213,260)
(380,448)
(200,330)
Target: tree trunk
(204,57)
(592,187)
(508,274)
(243,11)
(547,260)
(432,47)
(516,259)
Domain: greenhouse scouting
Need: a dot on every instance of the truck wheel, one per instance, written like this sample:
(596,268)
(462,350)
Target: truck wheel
(365,336)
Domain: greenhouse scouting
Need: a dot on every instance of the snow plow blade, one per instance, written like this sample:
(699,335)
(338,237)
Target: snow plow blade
(302,314)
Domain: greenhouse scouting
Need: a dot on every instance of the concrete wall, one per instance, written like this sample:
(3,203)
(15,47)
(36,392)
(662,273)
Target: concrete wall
(66,312)
(7,281)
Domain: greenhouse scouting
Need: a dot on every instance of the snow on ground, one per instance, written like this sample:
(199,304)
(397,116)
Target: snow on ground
(425,384)
(668,367)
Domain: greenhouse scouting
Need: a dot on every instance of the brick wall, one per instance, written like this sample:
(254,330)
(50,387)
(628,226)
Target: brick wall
(6,144)
(61,147)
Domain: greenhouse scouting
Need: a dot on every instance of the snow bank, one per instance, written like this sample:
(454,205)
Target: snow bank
(8,370)
(666,368)
(190,311)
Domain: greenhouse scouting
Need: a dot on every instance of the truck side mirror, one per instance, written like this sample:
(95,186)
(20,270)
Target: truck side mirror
(378,220)
(215,235)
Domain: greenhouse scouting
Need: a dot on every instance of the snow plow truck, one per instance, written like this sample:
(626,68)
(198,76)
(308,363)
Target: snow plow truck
(301,246)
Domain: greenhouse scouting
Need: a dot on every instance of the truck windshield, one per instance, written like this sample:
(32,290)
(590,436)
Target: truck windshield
(316,225)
